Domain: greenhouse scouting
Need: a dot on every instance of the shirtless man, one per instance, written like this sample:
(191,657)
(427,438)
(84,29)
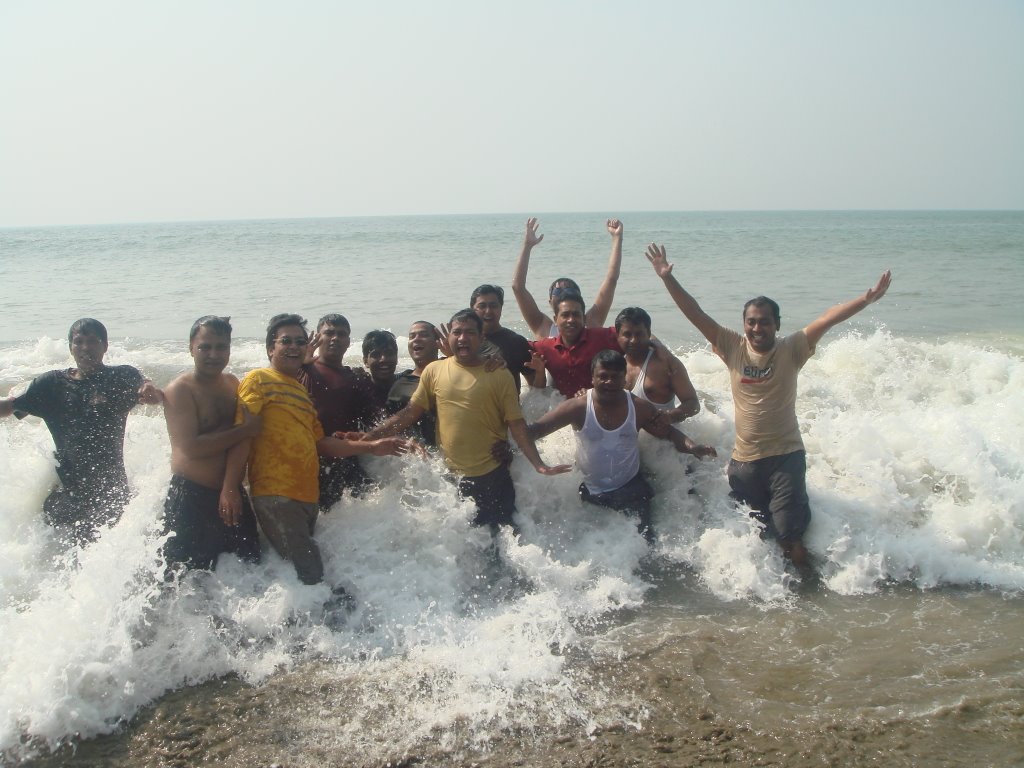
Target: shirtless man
(85,408)
(540,323)
(199,407)
(769,465)
(607,422)
(652,372)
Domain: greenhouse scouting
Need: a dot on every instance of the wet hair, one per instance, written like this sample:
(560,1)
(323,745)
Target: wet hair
(483,290)
(88,326)
(633,315)
(280,321)
(762,302)
(333,319)
(610,359)
(571,287)
(375,340)
(570,296)
(467,316)
(219,325)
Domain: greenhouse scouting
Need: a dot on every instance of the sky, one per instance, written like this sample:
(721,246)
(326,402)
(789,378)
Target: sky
(204,109)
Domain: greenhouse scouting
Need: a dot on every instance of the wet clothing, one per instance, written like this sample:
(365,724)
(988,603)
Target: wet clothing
(343,396)
(495,497)
(200,535)
(338,475)
(288,525)
(608,458)
(515,349)
(86,418)
(638,387)
(775,488)
(473,407)
(633,497)
(764,393)
(283,460)
(570,366)
(401,393)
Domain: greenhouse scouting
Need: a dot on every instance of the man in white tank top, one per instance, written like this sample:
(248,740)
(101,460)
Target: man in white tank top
(652,372)
(607,422)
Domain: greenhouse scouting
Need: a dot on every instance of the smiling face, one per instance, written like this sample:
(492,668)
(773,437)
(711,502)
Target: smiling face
(488,308)
(569,319)
(211,351)
(288,350)
(88,350)
(760,327)
(381,363)
(423,347)
(334,343)
(634,339)
(464,339)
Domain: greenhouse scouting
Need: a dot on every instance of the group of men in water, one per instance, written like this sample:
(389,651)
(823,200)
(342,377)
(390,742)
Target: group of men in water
(292,431)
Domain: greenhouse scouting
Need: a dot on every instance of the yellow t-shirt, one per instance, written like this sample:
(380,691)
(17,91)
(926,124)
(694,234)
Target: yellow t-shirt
(764,393)
(473,410)
(283,459)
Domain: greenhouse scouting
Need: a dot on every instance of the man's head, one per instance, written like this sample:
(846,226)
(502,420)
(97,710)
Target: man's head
(286,343)
(487,301)
(380,355)
(423,348)
(335,337)
(87,340)
(570,312)
(608,372)
(560,288)
(761,321)
(209,343)
(633,328)
(465,336)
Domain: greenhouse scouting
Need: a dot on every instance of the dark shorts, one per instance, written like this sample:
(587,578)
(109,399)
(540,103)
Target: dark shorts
(76,516)
(200,535)
(495,497)
(633,498)
(338,474)
(775,488)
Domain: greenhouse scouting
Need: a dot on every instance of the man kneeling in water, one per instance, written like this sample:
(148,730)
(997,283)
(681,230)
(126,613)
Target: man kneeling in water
(607,423)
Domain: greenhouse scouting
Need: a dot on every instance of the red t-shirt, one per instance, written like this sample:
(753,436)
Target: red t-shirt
(570,366)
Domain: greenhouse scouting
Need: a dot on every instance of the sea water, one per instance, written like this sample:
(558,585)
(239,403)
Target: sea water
(574,642)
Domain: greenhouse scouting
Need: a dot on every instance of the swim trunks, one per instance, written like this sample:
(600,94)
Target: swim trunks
(200,535)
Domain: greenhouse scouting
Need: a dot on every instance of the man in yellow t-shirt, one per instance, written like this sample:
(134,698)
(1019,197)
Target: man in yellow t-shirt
(769,465)
(475,408)
(282,460)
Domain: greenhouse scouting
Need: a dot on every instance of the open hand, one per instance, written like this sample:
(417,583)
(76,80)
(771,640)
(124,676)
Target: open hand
(659,260)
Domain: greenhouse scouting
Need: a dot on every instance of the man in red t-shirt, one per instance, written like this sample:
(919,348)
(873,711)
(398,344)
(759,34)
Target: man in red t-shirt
(567,356)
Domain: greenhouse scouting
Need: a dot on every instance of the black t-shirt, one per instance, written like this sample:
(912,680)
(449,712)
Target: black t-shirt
(516,351)
(86,418)
(399,397)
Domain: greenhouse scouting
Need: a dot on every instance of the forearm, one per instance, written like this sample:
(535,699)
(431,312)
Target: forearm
(521,435)
(605,294)
(214,443)
(402,420)
(522,267)
(6,407)
(685,409)
(234,470)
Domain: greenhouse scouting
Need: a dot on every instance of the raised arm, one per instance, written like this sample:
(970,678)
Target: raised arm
(602,303)
(840,312)
(686,303)
(538,321)
(526,444)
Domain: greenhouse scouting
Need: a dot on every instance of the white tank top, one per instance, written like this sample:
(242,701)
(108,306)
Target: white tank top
(608,458)
(638,387)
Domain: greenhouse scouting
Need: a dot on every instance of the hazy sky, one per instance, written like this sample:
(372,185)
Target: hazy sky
(150,111)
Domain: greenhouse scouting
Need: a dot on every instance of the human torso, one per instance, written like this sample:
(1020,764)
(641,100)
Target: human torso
(215,404)
(343,397)
(400,395)
(608,455)
(473,408)
(569,365)
(764,387)
(650,381)
(515,349)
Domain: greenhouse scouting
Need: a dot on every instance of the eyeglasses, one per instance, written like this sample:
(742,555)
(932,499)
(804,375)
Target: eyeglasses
(288,341)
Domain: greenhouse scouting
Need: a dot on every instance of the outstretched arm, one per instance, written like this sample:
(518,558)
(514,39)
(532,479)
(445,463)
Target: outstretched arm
(689,306)
(599,309)
(840,312)
(656,424)
(529,449)
(402,420)
(538,321)
(568,412)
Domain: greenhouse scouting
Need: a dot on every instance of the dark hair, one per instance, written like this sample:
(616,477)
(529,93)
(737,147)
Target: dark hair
(570,296)
(633,315)
(88,326)
(761,302)
(427,323)
(610,359)
(333,319)
(467,315)
(379,340)
(572,287)
(219,325)
(280,321)
(483,290)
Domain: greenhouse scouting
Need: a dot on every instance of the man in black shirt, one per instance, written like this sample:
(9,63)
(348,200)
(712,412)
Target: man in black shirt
(85,408)
(487,301)
(423,349)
